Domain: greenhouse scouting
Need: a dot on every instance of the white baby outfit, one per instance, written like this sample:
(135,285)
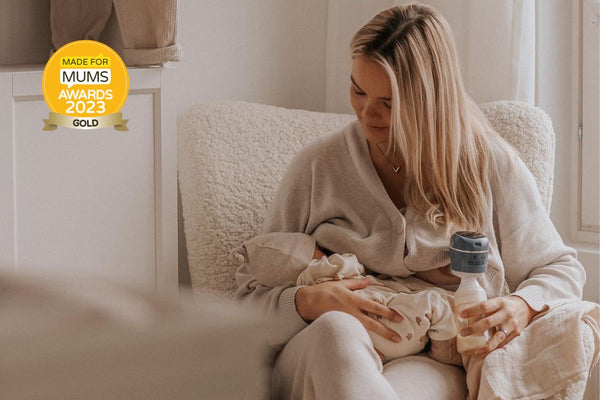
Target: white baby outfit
(426,312)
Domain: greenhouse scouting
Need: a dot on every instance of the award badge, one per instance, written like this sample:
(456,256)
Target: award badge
(85,85)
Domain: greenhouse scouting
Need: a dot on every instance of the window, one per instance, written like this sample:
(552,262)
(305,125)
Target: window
(589,117)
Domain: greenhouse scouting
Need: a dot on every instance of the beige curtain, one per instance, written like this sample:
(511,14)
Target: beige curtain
(148,28)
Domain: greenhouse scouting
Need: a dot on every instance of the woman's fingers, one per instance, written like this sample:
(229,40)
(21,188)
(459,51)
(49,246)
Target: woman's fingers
(486,323)
(483,308)
(378,328)
(497,339)
(369,305)
(489,313)
(338,295)
(510,318)
(381,310)
(355,283)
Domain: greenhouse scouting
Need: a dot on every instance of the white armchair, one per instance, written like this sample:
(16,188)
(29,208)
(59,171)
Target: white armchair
(232,156)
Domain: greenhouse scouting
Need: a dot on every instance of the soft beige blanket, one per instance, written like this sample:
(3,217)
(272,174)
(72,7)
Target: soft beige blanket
(523,369)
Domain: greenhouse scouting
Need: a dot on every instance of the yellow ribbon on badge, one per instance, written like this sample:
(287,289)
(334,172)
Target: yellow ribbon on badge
(55,119)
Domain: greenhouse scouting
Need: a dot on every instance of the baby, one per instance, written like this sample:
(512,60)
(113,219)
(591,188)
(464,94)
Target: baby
(427,310)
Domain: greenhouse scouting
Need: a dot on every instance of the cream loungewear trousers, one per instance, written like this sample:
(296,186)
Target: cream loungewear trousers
(334,358)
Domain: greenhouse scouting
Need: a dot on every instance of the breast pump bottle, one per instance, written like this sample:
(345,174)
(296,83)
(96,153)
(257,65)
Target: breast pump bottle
(468,261)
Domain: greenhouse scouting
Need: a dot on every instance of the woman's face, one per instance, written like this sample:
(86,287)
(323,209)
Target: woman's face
(371,98)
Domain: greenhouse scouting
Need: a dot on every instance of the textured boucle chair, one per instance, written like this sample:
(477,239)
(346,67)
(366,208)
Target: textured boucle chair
(233,154)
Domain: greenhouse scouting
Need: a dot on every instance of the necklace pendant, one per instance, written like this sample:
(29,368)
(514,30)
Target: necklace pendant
(396,169)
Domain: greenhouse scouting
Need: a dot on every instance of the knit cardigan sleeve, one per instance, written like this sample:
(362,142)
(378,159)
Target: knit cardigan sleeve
(289,212)
(539,267)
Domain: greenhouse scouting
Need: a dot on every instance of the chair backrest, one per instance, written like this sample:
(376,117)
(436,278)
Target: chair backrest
(233,154)
(529,130)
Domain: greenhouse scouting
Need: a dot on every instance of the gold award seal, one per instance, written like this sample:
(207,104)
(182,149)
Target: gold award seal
(85,84)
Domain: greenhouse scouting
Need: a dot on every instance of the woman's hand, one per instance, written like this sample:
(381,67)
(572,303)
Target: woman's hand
(313,301)
(510,313)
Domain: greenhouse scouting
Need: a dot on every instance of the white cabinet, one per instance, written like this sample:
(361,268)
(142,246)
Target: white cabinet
(97,201)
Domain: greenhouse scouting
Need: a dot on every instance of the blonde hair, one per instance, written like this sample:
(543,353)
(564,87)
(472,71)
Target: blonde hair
(443,137)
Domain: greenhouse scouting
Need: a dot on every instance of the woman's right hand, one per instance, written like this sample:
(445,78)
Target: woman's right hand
(313,301)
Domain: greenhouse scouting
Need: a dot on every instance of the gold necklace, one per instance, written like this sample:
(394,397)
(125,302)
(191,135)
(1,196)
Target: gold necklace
(394,167)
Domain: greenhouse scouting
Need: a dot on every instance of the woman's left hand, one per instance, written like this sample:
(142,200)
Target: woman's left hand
(509,315)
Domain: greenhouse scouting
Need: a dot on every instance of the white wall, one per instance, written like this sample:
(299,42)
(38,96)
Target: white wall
(265,51)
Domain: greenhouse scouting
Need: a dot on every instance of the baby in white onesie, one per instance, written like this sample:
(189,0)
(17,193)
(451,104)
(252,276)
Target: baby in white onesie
(281,258)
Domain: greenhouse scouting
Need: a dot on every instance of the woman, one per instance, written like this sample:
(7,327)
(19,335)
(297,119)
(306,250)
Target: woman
(420,163)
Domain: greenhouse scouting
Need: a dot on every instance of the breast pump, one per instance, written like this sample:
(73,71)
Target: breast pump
(468,261)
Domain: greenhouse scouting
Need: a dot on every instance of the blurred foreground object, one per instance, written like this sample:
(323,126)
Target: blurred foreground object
(64,339)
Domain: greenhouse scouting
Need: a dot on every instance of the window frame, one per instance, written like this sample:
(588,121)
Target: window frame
(586,39)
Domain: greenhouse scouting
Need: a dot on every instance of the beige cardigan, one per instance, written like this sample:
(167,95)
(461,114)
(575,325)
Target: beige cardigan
(332,192)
